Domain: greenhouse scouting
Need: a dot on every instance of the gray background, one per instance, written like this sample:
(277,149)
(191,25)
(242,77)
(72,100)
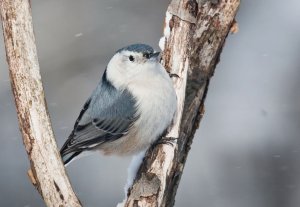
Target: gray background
(247,150)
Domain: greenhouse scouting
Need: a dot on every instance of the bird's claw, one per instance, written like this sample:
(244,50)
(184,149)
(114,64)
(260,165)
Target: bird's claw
(173,75)
(166,140)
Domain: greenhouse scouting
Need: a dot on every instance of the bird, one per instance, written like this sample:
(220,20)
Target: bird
(130,108)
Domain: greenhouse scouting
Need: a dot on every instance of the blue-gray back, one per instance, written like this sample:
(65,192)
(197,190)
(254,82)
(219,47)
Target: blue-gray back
(106,116)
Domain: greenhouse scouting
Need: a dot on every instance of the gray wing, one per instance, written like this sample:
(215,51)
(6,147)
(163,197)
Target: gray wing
(105,117)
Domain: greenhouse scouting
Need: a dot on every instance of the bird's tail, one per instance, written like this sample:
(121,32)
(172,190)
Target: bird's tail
(67,158)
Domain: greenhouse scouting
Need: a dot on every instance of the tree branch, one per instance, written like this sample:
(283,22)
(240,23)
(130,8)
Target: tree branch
(194,35)
(47,171)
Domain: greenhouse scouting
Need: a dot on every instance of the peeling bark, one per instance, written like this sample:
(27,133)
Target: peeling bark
(47,172)
(194,35)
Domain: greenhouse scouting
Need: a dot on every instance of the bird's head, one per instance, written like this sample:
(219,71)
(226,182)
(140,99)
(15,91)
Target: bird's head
(132,62)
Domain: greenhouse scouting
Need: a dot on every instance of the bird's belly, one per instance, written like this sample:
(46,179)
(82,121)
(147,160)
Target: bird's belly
(127,145)
(156,104)
(156,114)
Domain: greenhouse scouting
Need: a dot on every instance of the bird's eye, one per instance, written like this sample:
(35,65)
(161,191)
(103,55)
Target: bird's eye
(131,58)
(146,55)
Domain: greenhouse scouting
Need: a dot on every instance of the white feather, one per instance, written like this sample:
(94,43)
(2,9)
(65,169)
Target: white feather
(151,85)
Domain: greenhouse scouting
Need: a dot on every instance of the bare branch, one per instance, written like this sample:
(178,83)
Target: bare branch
(194,34)
(47,171)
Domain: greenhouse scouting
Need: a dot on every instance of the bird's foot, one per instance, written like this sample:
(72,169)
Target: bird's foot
(173,75)
(166,140)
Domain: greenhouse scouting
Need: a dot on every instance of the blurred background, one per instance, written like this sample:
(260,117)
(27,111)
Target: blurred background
(247,150)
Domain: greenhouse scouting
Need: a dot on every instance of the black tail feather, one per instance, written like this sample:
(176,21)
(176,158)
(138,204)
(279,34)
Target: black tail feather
(67,158)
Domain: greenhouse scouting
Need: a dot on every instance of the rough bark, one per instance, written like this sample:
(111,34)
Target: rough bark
(194,35)
(47,171)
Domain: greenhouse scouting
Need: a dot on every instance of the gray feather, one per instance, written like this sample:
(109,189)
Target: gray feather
(139,48)
(107,115)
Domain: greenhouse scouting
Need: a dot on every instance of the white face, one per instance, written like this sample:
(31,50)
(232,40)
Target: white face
(128,66)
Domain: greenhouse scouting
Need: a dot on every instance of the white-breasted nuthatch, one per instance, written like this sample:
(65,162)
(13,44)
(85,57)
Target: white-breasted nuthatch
(130,108)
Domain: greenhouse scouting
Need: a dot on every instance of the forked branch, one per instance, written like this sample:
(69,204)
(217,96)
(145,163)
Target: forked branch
(194,35)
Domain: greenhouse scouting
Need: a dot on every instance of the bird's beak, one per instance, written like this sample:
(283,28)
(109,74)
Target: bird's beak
(155,56)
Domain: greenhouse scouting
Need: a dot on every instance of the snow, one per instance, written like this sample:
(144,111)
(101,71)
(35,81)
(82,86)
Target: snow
(162,43)
(133,168)
(78,35)
(167,31)
(132,171)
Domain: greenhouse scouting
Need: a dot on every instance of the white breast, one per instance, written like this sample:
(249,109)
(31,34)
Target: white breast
(156,104)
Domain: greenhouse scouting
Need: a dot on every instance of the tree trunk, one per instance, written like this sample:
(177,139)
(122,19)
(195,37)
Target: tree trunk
(47,171)
(194,35)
